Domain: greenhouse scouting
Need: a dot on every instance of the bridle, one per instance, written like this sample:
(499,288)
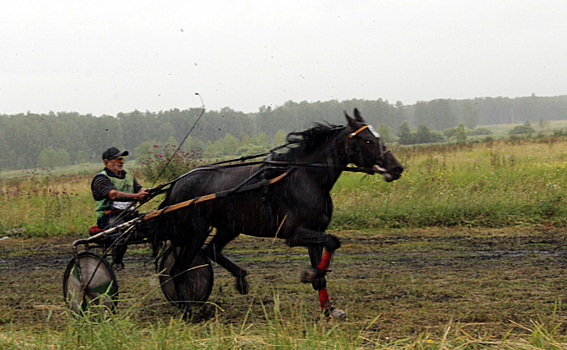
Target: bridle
(353,134)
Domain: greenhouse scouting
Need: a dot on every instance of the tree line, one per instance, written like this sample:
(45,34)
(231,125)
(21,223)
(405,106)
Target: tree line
(33,140)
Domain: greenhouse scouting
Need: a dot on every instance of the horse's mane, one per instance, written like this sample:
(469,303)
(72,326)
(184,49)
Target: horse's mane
(304,142)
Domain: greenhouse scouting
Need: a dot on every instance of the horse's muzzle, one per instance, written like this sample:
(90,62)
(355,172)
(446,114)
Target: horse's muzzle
(379,170)
(389,175)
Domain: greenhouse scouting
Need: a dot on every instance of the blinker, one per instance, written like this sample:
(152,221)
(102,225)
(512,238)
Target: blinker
(374,132)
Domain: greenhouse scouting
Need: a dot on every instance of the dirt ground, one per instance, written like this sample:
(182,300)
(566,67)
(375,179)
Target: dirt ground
(481,282)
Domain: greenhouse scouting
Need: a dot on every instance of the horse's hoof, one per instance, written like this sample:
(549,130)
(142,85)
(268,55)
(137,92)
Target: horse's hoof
(334,313)
(117,266)
(338,313)
(308,275)
(192,316)
(242,285)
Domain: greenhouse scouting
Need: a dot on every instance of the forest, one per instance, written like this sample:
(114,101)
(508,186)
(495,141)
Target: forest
(59,139)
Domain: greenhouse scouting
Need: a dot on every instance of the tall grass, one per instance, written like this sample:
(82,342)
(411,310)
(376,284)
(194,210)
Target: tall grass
(494,184)
(297,330)
(124,331)
(44,205)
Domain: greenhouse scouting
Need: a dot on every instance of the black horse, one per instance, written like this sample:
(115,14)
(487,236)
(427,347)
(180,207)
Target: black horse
(297,208)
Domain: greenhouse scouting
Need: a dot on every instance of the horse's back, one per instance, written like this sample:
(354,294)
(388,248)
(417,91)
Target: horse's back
(209,181)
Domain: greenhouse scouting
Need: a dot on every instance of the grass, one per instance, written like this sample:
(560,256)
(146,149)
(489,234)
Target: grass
(504,129)
(43,203)
(496,184)
(434,288)
(292,329)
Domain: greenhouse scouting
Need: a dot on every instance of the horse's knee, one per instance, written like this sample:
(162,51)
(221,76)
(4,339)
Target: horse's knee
(319,283)
(332,243)
(314,276)
(313,238)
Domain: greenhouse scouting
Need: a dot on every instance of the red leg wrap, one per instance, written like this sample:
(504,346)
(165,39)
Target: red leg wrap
(324,264)
(324,299)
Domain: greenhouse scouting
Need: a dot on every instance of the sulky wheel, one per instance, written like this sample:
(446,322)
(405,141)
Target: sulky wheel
(101,290)
(199,277)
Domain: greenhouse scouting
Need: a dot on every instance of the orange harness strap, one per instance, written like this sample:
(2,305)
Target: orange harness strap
(199,200)
(353,134)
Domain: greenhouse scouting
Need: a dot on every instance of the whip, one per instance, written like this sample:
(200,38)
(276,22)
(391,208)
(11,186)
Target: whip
(185,138)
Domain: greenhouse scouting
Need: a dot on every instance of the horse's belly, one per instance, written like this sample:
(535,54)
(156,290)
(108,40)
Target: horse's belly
(249,216)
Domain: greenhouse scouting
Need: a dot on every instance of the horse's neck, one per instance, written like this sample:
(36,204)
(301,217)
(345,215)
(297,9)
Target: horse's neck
(333,154)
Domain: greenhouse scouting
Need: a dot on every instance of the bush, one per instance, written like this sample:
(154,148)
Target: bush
(424,135)
(479,131)
(181,162)
(461,135)
(527,128)
(450,132)
(406,136)
(50,158)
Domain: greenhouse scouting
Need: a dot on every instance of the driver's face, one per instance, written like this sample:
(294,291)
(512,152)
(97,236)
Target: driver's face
(115,165)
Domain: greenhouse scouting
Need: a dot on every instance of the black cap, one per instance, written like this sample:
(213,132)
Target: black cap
(112,153)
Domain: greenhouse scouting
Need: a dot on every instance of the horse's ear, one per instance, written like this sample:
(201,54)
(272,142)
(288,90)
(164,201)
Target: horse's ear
(358,116)
(349,119)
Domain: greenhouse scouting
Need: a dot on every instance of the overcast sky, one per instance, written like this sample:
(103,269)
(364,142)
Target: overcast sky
(105,57)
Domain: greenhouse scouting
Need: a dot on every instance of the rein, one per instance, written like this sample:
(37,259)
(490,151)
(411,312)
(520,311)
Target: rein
(319,165)
(223,165)
(217,195)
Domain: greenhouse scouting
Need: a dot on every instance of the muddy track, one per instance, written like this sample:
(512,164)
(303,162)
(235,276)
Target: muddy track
(417,280)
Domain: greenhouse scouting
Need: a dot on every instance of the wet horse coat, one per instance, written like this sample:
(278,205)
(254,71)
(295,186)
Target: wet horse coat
(298,208)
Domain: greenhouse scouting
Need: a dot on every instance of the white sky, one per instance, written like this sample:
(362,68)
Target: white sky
(105,57)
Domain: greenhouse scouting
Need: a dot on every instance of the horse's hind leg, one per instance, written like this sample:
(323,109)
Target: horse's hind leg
(190,239)
(214,252)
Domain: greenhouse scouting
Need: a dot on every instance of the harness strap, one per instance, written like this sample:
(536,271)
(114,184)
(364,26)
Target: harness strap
(210,197)
(353,134)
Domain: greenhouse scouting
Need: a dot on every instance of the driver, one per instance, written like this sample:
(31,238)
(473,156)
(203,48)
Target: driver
(115,190)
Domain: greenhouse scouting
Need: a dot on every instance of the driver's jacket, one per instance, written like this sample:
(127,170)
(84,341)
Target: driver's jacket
(123,185)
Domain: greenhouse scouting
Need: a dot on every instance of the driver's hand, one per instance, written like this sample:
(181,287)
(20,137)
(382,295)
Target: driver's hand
(141,195)
(154,189)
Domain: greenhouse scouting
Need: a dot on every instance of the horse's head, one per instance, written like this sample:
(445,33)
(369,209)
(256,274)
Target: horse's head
(367,149)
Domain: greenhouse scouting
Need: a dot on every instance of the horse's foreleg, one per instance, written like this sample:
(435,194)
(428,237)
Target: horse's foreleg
(320,264)
(315,242)
(318,283)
